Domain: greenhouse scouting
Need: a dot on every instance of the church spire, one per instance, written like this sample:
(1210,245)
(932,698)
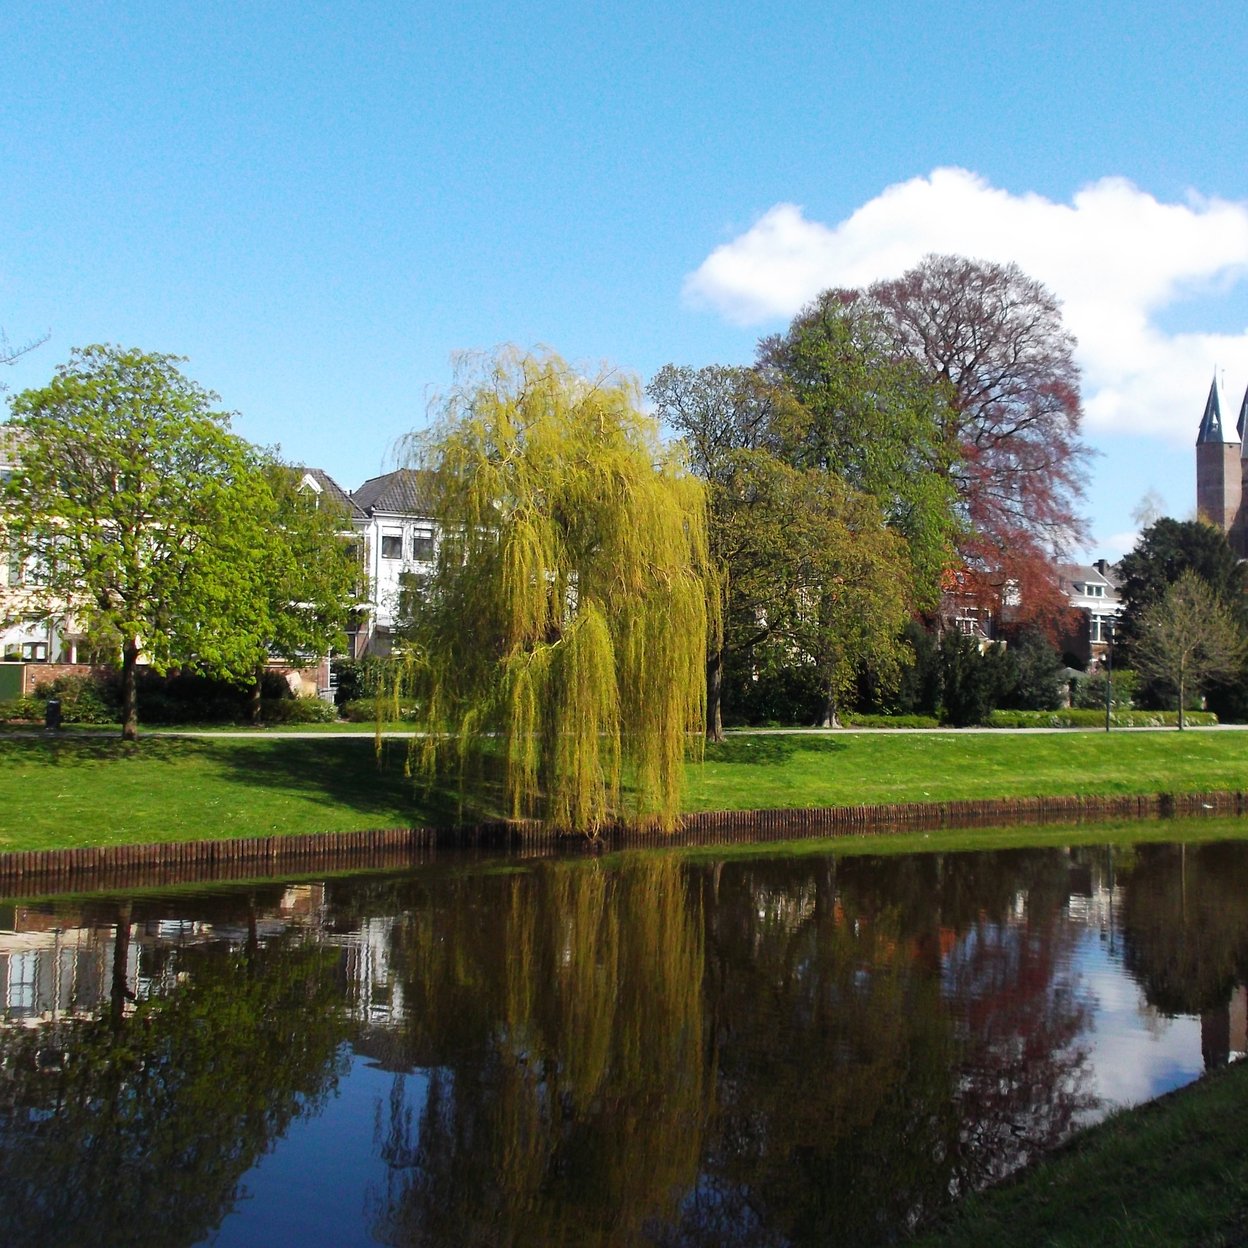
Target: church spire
(1211,422)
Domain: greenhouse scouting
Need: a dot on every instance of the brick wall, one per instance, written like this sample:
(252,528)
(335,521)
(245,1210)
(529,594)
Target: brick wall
(45,673)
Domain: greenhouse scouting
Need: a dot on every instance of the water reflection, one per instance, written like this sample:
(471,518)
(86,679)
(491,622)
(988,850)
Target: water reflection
(763,1051)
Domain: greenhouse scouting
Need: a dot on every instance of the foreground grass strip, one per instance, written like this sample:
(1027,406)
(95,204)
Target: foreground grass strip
(63,792)
(1171,1173)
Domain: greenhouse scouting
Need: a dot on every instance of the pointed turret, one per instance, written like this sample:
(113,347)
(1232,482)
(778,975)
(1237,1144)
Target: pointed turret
(1241,422)
(1219,470)
(1211,422)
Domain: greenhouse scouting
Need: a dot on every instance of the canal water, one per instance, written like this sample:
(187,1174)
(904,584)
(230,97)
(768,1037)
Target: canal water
(653,1049)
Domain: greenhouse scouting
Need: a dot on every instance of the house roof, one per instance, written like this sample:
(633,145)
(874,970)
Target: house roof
(1087,574)
(1242,421)
(331,488)
(403,492)
(1211,421)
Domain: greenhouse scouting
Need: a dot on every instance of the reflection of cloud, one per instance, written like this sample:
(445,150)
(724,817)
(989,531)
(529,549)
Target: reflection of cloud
(1131,1061)
(1116,257)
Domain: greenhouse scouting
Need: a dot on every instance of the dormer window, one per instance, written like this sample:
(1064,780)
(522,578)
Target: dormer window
(1096,591)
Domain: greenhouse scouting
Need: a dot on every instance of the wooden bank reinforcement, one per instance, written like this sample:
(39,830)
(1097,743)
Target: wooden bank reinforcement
(177,862)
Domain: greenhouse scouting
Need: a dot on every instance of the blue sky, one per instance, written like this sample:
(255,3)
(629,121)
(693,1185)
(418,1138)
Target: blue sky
(319,204)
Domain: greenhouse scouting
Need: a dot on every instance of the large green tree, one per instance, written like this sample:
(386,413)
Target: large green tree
(309,569)
(567,614)
(809,572)
(880,423)
(141,516)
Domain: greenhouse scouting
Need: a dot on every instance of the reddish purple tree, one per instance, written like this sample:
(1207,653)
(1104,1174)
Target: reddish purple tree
(996,337)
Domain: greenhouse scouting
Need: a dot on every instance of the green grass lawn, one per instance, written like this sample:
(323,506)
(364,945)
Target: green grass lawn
(771,772)
(69,791)
(1170,1174)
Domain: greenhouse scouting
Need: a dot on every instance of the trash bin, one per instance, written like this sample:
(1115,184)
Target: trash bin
(52,716)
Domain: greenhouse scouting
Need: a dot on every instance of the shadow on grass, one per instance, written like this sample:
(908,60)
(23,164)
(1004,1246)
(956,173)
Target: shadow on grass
(329,771)
(777,748)
(79,751)
(339,772)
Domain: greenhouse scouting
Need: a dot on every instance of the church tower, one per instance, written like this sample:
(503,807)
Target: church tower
(1220,469)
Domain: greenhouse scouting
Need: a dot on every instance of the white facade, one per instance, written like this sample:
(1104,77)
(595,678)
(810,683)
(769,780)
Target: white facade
(399,543)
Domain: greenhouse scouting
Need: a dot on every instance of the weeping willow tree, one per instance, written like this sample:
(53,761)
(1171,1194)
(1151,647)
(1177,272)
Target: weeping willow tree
(565,622)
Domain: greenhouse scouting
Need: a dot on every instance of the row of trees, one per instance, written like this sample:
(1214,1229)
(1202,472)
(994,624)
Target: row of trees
(887,438)
(135,512)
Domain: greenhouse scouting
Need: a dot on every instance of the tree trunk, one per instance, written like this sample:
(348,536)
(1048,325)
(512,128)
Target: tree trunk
(119,994)
(830,717)
(714,695)
(1182,699)
(129,693)
(256,690)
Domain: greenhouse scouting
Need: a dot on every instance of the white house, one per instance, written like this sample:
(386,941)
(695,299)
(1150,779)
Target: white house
(399,541)
(1092,590)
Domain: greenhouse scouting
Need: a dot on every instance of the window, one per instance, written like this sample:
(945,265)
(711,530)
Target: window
(422,544)
(1100,627)
(1096,591)
(392,545)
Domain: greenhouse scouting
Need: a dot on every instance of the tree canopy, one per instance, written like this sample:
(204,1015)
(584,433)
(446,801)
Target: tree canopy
(575,543)
(995,337)
(807,569)
(878,422)
(1187,638)
(160,533)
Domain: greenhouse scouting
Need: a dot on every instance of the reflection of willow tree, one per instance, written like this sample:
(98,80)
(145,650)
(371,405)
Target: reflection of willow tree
(855,1093)
(141,1128)
(1185,931)
(560,1012)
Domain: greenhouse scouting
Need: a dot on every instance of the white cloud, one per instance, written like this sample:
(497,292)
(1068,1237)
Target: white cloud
(1115,256)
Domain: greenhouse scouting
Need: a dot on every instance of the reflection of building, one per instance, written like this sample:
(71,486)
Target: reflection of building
(63,964)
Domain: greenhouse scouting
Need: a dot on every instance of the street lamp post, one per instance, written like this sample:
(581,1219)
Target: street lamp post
(1109,670)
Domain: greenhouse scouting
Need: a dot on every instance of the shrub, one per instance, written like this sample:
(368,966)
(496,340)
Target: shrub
(973,681)
(365,678)
(1089,692)
(772,695)
(1088,718)
(854,720)
(28,708)
(1035,674)
(364,711)
(290,710)
(83,699)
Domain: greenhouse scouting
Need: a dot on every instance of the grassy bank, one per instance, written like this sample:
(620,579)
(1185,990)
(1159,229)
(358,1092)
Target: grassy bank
(1171,1173)
(59,792)
(776,772)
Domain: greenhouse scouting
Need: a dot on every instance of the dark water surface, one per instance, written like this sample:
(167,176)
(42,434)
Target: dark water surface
(653,1050)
